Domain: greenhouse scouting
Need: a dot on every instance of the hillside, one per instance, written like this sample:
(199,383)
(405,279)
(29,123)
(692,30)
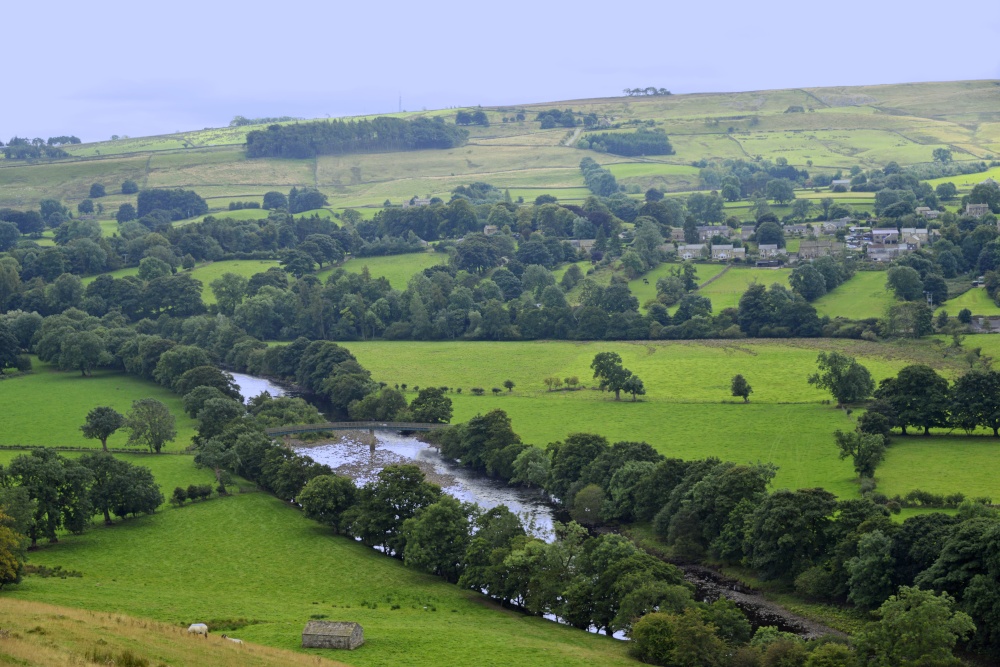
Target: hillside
(837,128)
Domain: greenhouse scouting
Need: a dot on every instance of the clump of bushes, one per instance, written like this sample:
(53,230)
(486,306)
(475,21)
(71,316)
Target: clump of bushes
(193,492)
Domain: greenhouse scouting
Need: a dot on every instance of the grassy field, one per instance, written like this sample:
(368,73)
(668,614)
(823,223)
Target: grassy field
(397,268)
(251,556)
(863,296)
(47,635)
(206,273)
(725,292)
(976,300)
(687,411)
(842,127)
(644,291)
(46,407)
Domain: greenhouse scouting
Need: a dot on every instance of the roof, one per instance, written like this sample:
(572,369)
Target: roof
(722,247)
(768,246)
(330,628)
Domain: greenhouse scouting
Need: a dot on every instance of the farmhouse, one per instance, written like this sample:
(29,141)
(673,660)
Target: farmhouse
(416,202)
(727,252)
(813,249)
(977,210)
(490,230)
(677,234)
(706,232)
(692,251)
(332,634)
(927,212)
(770,250)
(586,245)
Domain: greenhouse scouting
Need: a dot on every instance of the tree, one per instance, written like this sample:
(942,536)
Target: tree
(101,423)
(609,370)
(325,498)
(587,505)
(946,191)
(207,376)
(12,551)
(780,190)
(275,200)
(150,423)
(919,397)
(975,401)
(942,155)
(509,385)
(86,207)
(119,487)
(431,406)
(866,450)
(633,385)
(915,627)
(81,350)
(397,493)
(905,282)
(126,213)
(841,375)
(871,571)
(229,289)
(788,531)
(57,486)
(740,387)
(770,233)
(129,187)
(808,281)
(97,191)
(437,537)
(384,405)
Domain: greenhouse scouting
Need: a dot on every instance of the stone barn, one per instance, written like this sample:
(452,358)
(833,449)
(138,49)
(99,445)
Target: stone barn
(332,634)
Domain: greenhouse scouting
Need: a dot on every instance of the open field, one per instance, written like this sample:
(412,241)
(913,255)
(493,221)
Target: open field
(687,411)
(251,556)
(841,127)
(863,296)
(206,273)
(976,300)
(398,269)
(46,407)
(52,636)
(644,291)
(727,290)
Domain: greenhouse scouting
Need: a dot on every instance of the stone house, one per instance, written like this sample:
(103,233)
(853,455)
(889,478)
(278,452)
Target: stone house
(831,226)
(799,230)
(770,250)
(882,252)
(490,230)
(416,202)
(727,252)
(813,249)
(332,634)
(692,251)
(677,234)
(586,245)
(706,232)
(883,236)
(977,210)
(846,182)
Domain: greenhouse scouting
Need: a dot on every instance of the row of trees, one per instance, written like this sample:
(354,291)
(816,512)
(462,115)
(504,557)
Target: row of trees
(337,137)
(640,142)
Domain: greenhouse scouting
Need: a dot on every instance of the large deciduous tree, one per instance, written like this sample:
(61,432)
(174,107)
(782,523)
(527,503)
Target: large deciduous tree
(918,395)
(151,424)
(975,401)
(101,423)
(431,406)
(119,487)
(841,375)
(59,489)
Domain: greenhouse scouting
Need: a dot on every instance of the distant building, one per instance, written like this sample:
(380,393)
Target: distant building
(490,230)
(977,210)
(416,202)
(746,233)
(677,234)
(706,232)
(725,253)
(882,236)
(770,251)
(692,251)
(879,252)
(799,230)
(814,249)
(332,634)
(846,182)
(831,226)
(586,245)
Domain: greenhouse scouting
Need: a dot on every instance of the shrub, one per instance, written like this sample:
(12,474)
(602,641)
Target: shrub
(478,391)
(180,495)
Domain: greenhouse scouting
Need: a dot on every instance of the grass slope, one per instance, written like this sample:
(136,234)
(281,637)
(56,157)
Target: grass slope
(48,406)
(644,291)
(52,636)
(863,296)
(688,411)
(976,300)
(254,557)
(727,290)
(398,269)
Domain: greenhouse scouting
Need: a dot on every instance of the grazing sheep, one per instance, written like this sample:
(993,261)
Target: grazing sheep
(233,639)
(198,629)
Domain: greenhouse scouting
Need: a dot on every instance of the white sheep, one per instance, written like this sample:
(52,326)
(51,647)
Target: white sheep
(198,629)
(233,639)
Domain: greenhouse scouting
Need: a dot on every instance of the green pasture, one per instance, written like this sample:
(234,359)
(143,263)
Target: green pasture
(645,291)
(206,273)
(975,299)
(47,406)
(398,269)
(941,464)
(688,410)
(863,296)
(725,292)
(966,182)
(254,557)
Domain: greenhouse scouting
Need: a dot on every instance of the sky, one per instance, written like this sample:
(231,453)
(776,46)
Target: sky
(108,67)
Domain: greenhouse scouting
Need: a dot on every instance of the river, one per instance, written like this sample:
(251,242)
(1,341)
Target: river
(251,387)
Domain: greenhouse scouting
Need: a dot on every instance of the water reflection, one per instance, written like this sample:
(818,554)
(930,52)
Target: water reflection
(251,387)
(356,460)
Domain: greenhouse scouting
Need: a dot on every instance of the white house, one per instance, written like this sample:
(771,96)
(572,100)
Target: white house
(770,251)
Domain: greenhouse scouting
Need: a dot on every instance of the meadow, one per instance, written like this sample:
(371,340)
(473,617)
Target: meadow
(644,287)
(250,556)
(398,269)
(975,299)
(47,406)
(726,290)
(863,296)
(688,410)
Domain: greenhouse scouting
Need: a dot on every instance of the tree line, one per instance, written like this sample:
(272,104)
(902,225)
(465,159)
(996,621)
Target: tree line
(338,137)
(640,142)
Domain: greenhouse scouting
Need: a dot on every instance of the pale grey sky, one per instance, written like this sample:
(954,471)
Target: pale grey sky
(112,67)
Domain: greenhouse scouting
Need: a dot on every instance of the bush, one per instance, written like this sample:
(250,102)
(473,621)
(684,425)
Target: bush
(129,187)
(180,495)
(478,391)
